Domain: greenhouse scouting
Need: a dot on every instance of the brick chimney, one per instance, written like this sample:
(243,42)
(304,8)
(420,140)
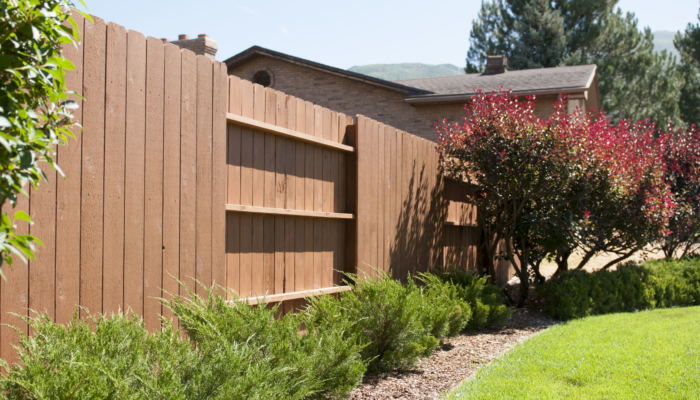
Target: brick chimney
(496,65)
(201,45)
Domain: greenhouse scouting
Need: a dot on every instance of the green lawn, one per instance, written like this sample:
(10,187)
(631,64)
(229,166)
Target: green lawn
(644,355)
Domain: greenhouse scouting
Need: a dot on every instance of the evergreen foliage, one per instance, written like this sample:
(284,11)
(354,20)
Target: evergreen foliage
(688,45)
(484,299)
(389,321)
(635,82)
(324,363)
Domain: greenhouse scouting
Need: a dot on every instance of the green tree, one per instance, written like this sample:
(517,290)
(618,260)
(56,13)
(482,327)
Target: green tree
(635,82)
(688,45)
(35,112)
(542,40)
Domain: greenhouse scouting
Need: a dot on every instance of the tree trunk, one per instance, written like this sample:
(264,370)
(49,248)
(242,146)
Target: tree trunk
(524,275)
(562,260)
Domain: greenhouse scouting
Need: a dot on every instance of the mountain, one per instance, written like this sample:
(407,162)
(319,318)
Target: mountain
(663,40)
(394,72)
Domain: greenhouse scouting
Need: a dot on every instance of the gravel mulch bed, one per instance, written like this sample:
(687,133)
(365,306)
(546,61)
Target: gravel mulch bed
(458,359)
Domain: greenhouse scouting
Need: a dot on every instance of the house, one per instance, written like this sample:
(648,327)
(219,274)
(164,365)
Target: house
(412,105)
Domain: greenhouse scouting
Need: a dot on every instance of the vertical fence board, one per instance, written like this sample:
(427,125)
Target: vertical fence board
(246,231)
(233,195)
(14,292)
(188,170)
(309,199)
(93,167)
(204,171)
(374,198)
(153,212)
(299,203)
(68,198)
(219,175)
(134,172)
(171,173)
(258,288)
(386,198)
(280,191)
(269,196)
(290,201)
(393,206)
(381,178)
(115,141)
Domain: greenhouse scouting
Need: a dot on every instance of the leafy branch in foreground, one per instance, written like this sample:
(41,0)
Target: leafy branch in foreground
(35,109)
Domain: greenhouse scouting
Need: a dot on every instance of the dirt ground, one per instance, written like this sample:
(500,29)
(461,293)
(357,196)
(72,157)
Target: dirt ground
(547,269)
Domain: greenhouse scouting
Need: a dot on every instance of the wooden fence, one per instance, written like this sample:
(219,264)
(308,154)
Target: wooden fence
(182,172)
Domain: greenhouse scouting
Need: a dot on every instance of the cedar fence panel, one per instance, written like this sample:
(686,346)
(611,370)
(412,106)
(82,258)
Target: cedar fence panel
(182,172)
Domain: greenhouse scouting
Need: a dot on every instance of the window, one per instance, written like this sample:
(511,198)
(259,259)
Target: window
(262,78)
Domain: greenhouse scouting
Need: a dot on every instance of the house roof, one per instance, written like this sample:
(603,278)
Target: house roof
(571,79)
(455,88)
(257,51)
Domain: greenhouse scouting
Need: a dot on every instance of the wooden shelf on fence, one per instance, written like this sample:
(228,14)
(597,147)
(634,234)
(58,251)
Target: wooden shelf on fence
(255,124)
(285,211)
(455,223)
(294,295)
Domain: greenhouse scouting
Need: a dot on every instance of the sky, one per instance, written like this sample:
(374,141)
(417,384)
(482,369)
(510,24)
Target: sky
(342,33)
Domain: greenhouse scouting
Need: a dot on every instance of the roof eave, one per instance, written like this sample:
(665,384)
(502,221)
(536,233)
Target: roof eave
(257,51)
(464,97)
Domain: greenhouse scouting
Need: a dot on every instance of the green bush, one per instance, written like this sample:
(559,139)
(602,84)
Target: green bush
(445,312)
(107,358)
(389,321)
(655,284)
(485,300)
(285,364)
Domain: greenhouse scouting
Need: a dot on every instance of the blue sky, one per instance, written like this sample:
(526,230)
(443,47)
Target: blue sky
(341,33)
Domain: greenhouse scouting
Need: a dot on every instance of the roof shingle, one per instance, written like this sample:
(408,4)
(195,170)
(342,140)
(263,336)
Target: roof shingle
(579,76)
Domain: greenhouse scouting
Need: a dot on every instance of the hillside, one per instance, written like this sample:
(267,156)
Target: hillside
(663,40)
(393,72)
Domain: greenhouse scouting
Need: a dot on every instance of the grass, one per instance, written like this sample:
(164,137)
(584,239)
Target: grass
(644,355)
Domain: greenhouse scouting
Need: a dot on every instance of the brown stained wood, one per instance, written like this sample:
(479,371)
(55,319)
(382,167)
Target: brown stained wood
(406,202)
(381,182)
(188,170)
(171,177)
(318,253)
(310,157)
(394,208)
(153,228)
(388,182)
(364,167)
(269,196)
(318,121)
(68,201)
(134,173)
(203,265)
(309,203)
(257,285)
(91,218)
(246,230)
(308,253)
(300,148)
(373,197)
(415,215)
(341,183)
(287,212)
(14,291)
(219,175)
(233,155)
(280,100)
(290,202)
(115,141)
(42,284)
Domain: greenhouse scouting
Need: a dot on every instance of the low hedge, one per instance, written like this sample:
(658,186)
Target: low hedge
(654,284)
(231,350)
